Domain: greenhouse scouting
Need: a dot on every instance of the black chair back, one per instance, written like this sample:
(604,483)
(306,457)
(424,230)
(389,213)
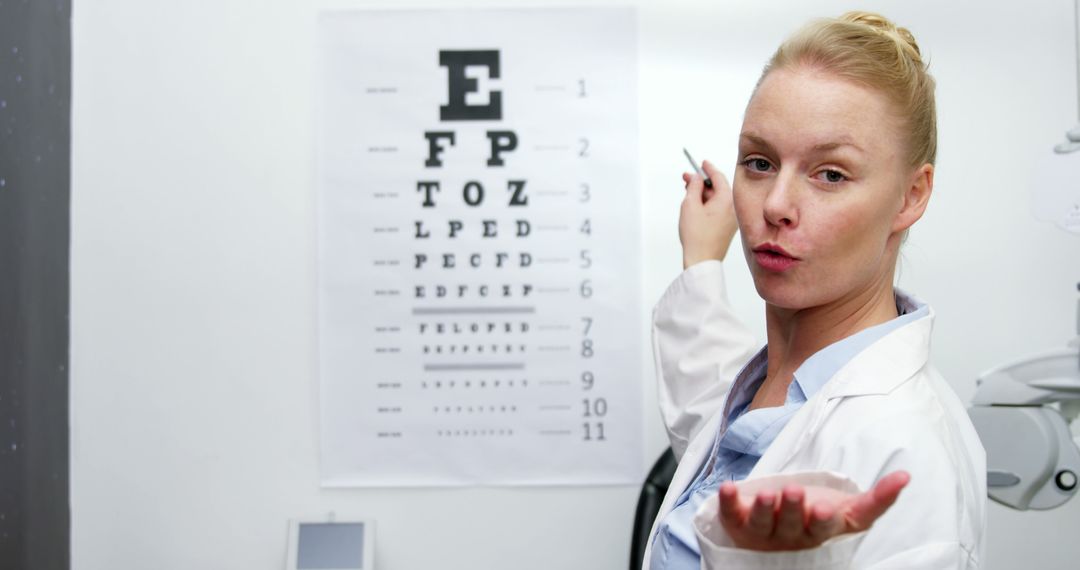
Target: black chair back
(648,505)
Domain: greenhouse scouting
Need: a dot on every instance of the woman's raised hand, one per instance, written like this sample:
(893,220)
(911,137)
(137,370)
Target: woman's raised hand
(803,517)
(707,218)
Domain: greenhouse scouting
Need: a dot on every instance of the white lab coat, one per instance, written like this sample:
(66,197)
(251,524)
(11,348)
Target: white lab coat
(886,409)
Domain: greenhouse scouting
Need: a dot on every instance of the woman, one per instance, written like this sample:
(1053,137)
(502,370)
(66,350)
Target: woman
(849,448)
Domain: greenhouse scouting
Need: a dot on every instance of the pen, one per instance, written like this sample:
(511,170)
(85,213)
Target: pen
(708,181)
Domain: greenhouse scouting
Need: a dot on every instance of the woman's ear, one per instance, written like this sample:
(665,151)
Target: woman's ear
(916,197)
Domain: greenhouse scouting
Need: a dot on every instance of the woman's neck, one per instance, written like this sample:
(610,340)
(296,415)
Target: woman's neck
(795,335)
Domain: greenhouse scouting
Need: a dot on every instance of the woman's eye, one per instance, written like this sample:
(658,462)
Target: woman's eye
(758,164)
(834,176)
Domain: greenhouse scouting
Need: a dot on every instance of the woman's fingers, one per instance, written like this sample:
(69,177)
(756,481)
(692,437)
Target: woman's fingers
(791,519)
(720,184)
(824,523)
(694,186)
(794,519)
(718,179)
(762,515)
(732,512)
(867,507)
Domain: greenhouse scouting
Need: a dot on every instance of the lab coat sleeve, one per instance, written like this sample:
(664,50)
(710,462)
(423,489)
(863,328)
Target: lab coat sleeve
(698,348)
(718,552)
(941,507)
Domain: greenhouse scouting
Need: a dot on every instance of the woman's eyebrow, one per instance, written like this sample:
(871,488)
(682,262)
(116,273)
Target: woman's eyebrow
(828,146)
(757,141)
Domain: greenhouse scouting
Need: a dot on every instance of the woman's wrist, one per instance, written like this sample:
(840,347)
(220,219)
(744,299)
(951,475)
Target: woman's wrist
(708,249)
(689,261)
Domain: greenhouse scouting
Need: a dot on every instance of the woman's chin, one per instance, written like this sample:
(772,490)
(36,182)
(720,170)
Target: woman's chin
(791,296)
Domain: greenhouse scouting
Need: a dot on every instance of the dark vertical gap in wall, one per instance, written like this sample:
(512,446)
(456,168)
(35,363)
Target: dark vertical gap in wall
(35,198)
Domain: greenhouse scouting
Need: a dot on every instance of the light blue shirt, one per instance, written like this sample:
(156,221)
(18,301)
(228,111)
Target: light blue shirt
(744,435)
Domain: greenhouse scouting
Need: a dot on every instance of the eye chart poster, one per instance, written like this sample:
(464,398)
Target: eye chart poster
(478,249)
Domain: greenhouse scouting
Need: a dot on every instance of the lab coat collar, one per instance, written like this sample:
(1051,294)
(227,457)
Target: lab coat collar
(815,371)
(879,369)
(888,362)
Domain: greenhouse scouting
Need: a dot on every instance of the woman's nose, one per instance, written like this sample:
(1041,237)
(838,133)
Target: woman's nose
(780,203)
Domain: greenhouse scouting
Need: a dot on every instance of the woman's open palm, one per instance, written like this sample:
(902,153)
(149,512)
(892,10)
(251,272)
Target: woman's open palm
(803,517)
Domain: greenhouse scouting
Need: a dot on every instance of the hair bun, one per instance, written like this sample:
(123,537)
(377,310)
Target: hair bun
(872,51)
(885,26)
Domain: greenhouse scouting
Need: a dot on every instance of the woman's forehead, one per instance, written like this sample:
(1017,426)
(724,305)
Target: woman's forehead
(818,111)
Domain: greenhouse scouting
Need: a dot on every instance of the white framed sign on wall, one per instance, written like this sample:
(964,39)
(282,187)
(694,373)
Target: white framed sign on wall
(479,257)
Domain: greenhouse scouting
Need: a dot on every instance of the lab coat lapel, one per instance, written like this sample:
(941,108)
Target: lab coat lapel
(696,454)
(878,369)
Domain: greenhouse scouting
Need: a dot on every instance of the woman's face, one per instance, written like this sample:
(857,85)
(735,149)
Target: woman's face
(817,191)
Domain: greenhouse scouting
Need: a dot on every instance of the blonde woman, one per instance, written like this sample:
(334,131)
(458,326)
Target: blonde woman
(836,445)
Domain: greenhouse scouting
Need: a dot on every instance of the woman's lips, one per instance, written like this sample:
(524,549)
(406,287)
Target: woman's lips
(774,258)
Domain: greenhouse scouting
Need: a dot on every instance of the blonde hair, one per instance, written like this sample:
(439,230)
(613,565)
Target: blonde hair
(870,50)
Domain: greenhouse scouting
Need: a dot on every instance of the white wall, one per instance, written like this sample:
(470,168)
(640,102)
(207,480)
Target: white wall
(194,409)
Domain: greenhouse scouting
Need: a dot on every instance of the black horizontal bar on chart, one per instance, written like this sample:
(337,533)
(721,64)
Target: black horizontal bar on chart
(472,310)
(475,366)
